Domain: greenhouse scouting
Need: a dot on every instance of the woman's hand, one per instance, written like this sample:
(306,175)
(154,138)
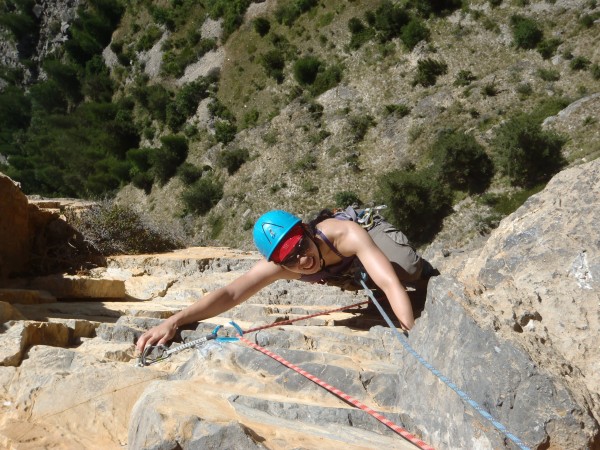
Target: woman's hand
(158,335)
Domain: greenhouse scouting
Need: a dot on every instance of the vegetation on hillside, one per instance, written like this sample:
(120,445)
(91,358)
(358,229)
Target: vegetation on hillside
(72,126)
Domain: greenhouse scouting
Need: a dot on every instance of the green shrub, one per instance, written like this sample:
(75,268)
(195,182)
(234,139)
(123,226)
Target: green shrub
(525,153)
(547,47)
(461,162)
(526,32)
(166,159)
(186,101)
(250,118)
(231,11)
(189,173)
(355,25)
(261,25)
(464,78)
(20,24)
(305,69)
(233,159)
(326,79)
(359,126)
(306,163)
(273,62)
(397,109)
(225,131)
(113,229)
(414,32)
(200,197)
(548,74)
(428,70)
(150,37)
(346,198)
(417,202)
(489,89)
(388,19)
(595,71)
(287,13)
(91,32)
(360,33)
(580,63)
(426,8)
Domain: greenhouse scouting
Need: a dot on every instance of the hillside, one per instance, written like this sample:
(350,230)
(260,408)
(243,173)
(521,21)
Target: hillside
(206,114)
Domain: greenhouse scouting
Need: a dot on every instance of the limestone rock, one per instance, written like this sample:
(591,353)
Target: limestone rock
(74,286)
(8,312)
(513,326)
(26,296)
(14,222)
(15,341)
(539,276)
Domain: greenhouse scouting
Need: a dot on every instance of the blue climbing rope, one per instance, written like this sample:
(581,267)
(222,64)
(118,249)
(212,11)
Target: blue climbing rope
(438,374)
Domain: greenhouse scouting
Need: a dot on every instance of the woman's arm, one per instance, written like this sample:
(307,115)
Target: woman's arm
(355,239)
(214,303)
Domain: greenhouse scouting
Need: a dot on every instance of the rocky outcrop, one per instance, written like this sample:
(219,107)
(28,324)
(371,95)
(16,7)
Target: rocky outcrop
(512,324)
(14,223)
(35,238)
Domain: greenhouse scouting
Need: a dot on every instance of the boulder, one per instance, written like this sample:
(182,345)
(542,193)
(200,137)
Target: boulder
(14,222)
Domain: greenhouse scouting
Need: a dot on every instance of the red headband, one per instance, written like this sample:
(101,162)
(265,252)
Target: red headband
(288,244)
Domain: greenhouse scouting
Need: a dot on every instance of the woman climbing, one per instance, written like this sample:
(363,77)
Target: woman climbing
(328,250)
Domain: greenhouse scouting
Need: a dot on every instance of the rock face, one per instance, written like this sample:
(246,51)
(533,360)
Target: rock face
(514,325)
(14,222)
(33,236)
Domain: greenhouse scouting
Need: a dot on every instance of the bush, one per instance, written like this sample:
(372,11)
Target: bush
(526,33)
(225,131)
(262,26)
(113,229)
(428,70)
(464,78)
(186,101)
(399,110)
(547,47)
(189,173)
(359,126)
(548,74)
(205,193)
(326,79)
(288,13)
(413,33)
(233,159)
(580,63)
(525,153)
(346,198)
(273,62)
(306,69)
(388,19)
(461,162)
(417,202)
(169,157)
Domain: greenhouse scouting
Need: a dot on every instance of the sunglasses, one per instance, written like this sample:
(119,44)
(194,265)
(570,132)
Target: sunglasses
(298,252)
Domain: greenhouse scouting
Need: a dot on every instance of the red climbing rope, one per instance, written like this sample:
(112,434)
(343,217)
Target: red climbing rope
(401,431)
(287,322)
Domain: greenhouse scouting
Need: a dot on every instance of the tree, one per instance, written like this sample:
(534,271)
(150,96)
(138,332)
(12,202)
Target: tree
(526,154)
(417,202)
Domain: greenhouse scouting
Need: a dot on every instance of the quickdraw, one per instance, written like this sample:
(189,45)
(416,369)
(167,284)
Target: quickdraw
(367,217)
(156,353)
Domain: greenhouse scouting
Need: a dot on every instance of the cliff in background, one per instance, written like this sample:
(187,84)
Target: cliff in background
(514,323)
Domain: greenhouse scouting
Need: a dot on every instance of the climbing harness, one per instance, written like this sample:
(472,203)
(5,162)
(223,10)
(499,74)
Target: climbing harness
(162,352)
(438,374)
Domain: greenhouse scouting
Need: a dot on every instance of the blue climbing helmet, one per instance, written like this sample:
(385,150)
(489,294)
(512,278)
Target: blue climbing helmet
(271,228)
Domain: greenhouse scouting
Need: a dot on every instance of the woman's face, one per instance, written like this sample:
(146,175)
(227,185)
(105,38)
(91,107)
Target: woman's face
(304,259)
